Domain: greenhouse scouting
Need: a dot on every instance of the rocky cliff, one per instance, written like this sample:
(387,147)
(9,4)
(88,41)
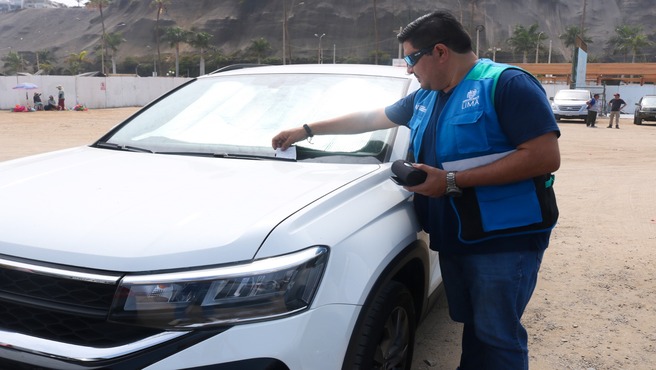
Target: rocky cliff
(348,26)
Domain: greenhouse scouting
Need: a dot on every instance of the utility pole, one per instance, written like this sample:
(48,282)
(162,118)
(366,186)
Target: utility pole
(582,19)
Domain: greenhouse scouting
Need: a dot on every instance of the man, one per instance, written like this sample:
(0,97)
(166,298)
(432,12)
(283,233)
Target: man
(488,144)
(593,109)
(61,97)
(616,106)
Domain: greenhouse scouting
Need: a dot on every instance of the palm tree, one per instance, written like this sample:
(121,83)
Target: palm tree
(629,39)
(113,40)
(259,48)
(524,40)
(161,8)
(200,40)
(14,63)
(76,61)
(100,4)
(175,36)
(44,60)
(569,36)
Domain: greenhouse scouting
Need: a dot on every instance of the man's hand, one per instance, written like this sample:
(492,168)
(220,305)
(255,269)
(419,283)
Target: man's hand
(435,184)
(288,137)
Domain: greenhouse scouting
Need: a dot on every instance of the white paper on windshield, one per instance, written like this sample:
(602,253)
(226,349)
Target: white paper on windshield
(290,153)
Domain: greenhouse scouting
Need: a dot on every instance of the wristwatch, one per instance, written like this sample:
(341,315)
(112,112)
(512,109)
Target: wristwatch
(452,190)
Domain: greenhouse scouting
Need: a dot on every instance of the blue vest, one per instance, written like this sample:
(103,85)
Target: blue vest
(469,135)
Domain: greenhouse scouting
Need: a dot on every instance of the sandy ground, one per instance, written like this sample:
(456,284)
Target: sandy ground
(595,304)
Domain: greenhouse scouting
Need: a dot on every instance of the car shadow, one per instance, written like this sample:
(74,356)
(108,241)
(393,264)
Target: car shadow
(576,120)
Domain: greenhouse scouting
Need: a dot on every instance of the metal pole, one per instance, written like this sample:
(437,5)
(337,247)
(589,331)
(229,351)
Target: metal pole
(479,28)
(537,47)
(549,60)
(284,31)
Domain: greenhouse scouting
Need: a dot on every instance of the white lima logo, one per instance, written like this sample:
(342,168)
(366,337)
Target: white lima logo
(472,99)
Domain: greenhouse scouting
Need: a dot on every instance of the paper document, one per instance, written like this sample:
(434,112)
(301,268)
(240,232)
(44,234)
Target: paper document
(290,153)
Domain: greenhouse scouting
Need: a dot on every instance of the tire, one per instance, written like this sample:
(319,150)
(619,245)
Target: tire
(637,120)
(386,335)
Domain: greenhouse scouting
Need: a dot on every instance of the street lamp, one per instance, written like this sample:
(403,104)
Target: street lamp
(319,50)
(494,53)
(537,47)
(479,28)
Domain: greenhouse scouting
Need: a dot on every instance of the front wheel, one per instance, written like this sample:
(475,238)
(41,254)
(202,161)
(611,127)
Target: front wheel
(385,337)
(637,120)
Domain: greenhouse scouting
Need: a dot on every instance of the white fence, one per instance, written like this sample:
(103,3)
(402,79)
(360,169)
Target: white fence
(127,91)
(92,92)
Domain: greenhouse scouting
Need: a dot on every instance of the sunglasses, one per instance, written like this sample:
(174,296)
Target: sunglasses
(412,59)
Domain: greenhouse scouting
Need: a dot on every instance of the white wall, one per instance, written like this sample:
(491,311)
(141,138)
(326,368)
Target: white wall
(92,92)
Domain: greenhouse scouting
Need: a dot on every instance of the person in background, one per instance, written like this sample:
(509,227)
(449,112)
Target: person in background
(616,106)
(488,179)
(51,104)
(61,98)
(38,104)
(594,107)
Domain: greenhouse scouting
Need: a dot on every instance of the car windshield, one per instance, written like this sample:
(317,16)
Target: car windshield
(573,95)
(239,114)
(649,100)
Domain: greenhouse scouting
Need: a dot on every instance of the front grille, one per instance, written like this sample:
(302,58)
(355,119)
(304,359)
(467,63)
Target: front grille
(62,309)
(569,108)
(56,290)
(68,328)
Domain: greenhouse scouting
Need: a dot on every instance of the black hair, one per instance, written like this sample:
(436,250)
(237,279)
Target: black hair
(437,27)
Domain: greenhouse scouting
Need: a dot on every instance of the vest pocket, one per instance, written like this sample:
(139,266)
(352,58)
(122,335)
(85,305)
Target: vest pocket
(495,211)
(469,132)
(508,206)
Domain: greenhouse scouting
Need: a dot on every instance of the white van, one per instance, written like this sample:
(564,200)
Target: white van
(571,104)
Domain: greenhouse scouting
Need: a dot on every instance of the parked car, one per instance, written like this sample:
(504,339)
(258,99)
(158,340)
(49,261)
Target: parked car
(571,104)
(645,109)
(181,240)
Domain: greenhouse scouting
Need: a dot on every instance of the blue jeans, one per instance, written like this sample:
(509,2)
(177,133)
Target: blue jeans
(488,293)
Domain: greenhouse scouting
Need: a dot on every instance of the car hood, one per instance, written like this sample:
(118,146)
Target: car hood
(123,211)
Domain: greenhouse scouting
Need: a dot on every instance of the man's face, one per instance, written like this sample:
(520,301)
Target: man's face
(424,64)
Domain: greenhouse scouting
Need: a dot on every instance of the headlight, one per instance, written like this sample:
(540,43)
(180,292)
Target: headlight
(263,289)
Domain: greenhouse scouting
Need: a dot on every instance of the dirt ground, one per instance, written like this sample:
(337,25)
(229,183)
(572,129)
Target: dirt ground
(595,304)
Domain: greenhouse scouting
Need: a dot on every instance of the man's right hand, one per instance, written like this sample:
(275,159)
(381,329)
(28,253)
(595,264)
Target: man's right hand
(288,137)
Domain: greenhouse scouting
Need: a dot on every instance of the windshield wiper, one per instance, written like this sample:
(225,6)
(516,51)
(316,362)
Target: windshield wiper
(127,148)
(231,156)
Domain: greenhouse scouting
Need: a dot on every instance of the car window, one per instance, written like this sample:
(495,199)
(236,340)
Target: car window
(242,113)
(573,95)
(649,100)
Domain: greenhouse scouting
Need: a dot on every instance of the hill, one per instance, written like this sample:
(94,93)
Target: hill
(348,26)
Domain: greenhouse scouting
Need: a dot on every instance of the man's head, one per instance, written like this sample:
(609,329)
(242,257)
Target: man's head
(436,27)
(59,87)
(437,50)
(616,95)
(595,96)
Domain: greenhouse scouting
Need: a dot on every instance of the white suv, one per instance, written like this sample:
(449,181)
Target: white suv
(570,104)
(181,240)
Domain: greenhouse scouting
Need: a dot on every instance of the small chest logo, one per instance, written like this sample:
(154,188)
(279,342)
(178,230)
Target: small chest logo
(472,99)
